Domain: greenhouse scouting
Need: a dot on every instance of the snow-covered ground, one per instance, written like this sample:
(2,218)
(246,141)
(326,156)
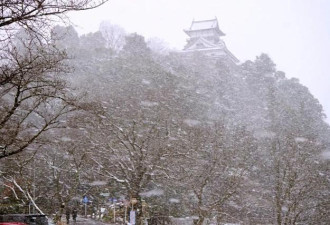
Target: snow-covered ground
(82,221)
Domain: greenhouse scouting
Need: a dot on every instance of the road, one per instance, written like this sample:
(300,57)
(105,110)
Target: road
(89,221)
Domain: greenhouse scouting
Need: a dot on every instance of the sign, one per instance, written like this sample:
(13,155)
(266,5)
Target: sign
(134,201)
(85,200)
(132,217)
(112,200)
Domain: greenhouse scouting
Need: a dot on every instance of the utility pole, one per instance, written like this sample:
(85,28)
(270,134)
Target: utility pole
(34,182)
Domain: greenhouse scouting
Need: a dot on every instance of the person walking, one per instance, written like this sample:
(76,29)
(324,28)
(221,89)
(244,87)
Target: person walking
(74,215)
(67,213)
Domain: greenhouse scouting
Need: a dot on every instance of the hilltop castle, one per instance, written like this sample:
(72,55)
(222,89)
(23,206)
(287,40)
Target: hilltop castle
(205,36)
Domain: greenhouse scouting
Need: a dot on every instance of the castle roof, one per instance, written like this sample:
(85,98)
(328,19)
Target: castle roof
(203,43)
(205,37)
(205,25)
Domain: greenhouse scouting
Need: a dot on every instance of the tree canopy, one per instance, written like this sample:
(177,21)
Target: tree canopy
(232,143)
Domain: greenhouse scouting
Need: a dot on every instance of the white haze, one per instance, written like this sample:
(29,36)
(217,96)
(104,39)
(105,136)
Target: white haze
(295,33)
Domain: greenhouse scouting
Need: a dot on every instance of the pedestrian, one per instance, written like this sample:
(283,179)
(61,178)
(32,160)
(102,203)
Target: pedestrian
(94,212)
(67,213)
(74,215)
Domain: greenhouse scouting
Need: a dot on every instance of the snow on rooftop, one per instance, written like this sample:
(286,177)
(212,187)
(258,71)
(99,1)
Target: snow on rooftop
(204,24)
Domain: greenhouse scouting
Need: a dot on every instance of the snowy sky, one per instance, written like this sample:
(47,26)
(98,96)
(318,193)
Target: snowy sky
(295,33)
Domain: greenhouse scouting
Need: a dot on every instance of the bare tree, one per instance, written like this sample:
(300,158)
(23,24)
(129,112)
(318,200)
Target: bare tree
(297,179)
(32,14)
(53,171)
(114,36)
(133,155)
(295,183)
(215,169)
(33,96)
(46,179)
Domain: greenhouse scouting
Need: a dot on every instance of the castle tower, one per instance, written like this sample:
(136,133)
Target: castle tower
(205,36)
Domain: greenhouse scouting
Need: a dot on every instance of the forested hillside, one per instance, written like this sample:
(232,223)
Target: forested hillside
(189,135)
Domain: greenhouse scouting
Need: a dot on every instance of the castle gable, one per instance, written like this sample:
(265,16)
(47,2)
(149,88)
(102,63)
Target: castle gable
(205,36)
